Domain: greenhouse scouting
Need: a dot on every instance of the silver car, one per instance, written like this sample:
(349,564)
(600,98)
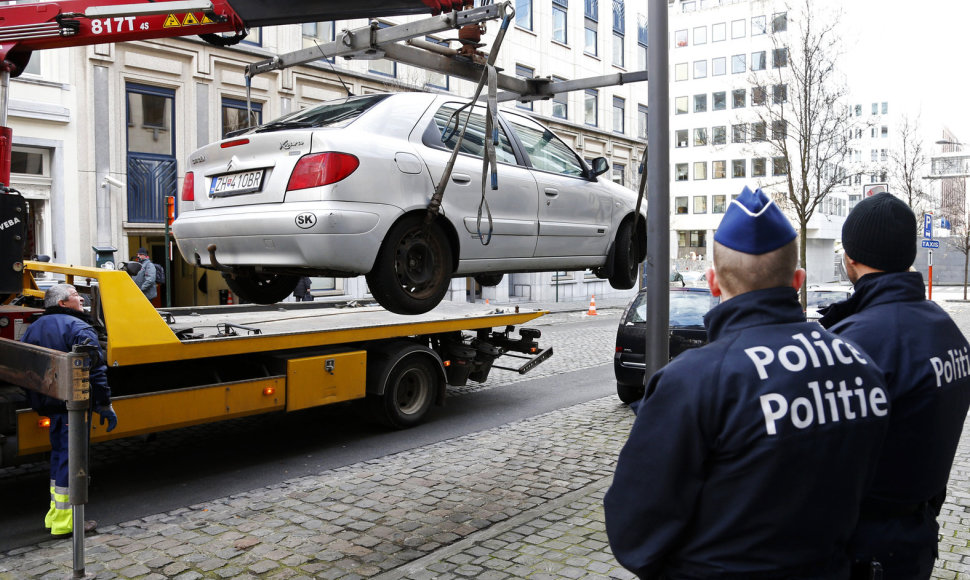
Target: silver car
(342,189)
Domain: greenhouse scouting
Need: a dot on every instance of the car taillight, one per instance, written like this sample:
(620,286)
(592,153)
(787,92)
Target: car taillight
(234,143)
(619,349)
(321,169)
(188,187)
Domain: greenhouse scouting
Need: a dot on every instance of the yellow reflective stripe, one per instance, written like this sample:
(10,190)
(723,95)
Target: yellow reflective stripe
(61,498)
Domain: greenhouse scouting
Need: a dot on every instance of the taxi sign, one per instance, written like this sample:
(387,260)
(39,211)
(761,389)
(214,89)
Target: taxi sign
(934,244)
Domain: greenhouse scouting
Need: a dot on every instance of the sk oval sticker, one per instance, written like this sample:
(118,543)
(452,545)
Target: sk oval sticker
(306,220)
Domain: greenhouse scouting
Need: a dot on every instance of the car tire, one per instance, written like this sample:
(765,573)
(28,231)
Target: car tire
(413,268)
(629,393)
(625,265)
(261,288)
(489,279)
(411,388)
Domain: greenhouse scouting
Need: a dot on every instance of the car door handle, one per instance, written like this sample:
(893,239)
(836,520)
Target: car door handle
(461,178)
(551,191)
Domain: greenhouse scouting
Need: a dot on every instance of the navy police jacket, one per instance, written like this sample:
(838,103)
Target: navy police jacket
(60,329)
(749,456)
(927,364)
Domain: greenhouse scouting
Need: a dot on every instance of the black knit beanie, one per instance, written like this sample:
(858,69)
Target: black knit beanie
(880,232)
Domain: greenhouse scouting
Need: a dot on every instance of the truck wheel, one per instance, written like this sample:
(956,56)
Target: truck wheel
(624,258)
(261,288)
(489,279)
(629,393)
(410,390)
(412,271)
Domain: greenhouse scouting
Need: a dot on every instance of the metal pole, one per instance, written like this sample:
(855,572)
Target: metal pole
(930,260)
(658,185)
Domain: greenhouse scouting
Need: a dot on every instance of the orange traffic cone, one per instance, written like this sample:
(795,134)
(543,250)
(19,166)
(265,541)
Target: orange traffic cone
(592,306)
(486,301)
(229,299)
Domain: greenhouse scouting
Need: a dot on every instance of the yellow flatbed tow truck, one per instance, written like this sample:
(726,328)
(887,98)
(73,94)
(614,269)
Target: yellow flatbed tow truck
(191,365)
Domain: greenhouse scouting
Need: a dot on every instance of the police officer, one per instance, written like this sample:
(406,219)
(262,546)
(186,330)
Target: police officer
(749,456)
(927,365)
(63,325)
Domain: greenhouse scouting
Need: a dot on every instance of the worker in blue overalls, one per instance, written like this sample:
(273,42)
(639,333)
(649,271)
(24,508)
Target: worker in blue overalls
(927,364)
(63,325)
(749,456)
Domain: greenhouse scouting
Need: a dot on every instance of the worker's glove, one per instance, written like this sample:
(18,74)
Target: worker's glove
(108,414)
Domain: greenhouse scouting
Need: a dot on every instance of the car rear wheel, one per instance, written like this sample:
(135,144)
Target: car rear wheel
(625,263)
(413,268)
(261,288)
(629,393)
(489,279)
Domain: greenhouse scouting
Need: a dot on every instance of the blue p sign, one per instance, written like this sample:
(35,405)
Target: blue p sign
(928,225)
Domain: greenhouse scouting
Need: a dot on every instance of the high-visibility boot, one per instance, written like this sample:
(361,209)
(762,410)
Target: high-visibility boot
(62,520)
(49,519)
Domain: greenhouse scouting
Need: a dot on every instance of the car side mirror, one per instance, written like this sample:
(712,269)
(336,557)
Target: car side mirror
(600,166)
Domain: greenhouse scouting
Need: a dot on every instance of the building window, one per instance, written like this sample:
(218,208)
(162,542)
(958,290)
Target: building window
(591,107)
(779,57)
(874,154)
(383,66)
(884,131)
(758,96)
(255,37)
(680,71)
(591,13)
(680,172)
(875,108)
(559,30)
(619,30)
(619,174)
(780,93)
(642,42)
(738,98)
(700,137)
(435,79)
(758,60)
(316,33)
(719,135)
(700,69)
(523,14)
(759,167)
(617,50)
(738,133)
(737,29)
(680,138)
(719,101)
(758,131)
(718,203)
(524,72)
(883,156)
(779,166)
(737,64)
(560,102)
(680,38)
(642,119)
(885,108)
(680,105)
(779,130)
(779,22)
(700,35)
(718,32)
(680,204)
(700,170)
(234,115)
(759,25)
(700,103)
(619,113)
(737,168)
(719,66)
(718,169)
(700,204)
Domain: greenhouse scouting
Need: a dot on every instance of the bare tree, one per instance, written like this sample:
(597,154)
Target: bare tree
(806,118)
(908,166)
(959,238)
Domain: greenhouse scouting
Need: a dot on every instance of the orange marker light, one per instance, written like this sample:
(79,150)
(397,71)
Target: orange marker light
(44,423)
(269,391)
(447,363)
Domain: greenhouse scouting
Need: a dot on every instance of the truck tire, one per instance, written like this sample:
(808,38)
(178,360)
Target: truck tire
(412,386)
(413,268)
(261,288)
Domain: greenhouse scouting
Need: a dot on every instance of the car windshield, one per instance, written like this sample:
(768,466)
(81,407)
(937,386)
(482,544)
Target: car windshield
(687,309)
(337,114)
(820,298)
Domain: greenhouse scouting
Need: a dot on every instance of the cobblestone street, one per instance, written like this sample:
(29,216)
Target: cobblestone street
(519,501)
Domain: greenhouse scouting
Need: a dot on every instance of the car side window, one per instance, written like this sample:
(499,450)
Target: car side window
(474,141)
(546,151)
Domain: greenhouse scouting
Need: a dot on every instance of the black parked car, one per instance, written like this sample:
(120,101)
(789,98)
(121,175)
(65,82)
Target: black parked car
(687,309)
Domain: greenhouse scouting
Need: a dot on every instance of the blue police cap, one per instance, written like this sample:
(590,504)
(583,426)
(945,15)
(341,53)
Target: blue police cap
(753,224)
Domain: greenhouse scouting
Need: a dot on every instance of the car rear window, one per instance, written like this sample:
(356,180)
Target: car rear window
(686,308)
(338,113)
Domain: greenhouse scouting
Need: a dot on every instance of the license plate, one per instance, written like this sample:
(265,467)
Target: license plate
(236,183)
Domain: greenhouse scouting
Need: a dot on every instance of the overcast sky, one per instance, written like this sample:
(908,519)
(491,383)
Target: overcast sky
(916,55)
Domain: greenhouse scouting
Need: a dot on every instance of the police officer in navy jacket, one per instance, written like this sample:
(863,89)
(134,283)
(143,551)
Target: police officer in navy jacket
(927,364)
(749,456)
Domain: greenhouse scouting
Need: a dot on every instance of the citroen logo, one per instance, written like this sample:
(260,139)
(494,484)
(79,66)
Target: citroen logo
(229,165)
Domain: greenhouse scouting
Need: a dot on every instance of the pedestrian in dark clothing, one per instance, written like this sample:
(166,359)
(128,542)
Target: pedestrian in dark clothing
(145,278)
(749,456)
(302,290)
(926,361)
(63,325)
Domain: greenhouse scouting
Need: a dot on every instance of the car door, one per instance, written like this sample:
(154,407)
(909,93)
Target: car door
(513,206)
(575,213)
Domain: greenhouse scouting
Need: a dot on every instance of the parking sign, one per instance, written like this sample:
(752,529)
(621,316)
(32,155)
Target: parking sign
(927,225)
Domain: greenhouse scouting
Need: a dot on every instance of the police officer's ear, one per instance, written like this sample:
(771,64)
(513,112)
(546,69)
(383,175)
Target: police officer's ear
(798,279)
(712,282)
